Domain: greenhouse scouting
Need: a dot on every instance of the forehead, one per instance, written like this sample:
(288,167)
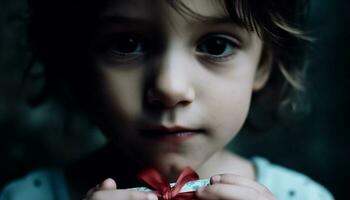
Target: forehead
(161,9)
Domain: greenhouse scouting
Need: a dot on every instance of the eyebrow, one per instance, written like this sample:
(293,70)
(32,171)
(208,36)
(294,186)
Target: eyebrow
(120,19)
(216,20)
(141,23)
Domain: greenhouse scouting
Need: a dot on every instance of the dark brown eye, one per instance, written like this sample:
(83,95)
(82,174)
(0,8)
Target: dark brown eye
(125,44)
(217,46)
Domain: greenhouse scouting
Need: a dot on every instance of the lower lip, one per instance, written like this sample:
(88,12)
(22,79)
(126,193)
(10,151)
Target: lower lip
(178,137)
(174,137)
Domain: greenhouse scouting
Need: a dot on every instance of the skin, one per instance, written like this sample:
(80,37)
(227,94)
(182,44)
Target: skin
(179,83)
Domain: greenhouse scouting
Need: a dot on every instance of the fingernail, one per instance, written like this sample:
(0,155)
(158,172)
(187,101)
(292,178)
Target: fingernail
(151,196)
(215,179)
(109,179)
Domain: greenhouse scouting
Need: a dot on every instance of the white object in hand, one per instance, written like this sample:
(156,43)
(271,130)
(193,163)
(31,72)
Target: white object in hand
(190,186)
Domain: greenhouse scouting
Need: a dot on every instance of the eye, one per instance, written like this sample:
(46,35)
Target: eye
(124,46)
(217,46)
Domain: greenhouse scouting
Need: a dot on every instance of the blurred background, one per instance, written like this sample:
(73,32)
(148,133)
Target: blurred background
(49,135)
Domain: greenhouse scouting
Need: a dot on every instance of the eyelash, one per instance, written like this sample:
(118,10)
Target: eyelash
(113,47)
(221,38)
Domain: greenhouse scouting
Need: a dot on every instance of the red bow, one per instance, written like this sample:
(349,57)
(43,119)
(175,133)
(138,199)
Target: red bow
(163,189)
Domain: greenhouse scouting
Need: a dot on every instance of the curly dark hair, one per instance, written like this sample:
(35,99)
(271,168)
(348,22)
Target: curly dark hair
(59,29)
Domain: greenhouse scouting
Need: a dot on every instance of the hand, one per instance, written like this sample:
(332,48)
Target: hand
(107,190)
(234,187)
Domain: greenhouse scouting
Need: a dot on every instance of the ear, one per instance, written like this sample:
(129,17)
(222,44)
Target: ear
(264,69)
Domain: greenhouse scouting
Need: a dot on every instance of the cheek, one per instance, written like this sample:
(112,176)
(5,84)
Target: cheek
(230,111)
(121,92)
(227,105)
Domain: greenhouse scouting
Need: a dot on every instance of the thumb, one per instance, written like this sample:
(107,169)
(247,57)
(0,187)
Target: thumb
(108,184)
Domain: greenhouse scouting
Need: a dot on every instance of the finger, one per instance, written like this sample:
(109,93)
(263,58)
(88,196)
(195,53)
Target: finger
(233,179)
(230,192)
(92,190)
(122,194)
(108,184)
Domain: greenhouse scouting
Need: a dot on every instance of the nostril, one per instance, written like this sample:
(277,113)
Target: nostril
(151,97)
(170,99)
(160,101)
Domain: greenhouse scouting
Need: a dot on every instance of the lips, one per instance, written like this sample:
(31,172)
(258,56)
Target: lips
(170,134)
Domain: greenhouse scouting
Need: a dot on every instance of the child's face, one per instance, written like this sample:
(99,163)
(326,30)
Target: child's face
(158,68)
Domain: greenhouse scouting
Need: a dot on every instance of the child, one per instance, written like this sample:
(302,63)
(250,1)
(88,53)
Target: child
(169,83)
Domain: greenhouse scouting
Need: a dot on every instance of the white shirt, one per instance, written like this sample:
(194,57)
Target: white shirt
(285,184)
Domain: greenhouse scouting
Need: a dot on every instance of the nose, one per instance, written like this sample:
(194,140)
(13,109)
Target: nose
(172,80)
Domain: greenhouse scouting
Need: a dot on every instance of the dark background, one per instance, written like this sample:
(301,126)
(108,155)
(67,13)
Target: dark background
(48,135)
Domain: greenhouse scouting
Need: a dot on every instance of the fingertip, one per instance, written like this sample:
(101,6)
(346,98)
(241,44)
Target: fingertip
(108,184)
(215,179)
(151,196)
(110,180)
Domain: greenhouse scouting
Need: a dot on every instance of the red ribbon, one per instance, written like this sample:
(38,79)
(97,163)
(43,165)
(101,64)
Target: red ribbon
(162,187)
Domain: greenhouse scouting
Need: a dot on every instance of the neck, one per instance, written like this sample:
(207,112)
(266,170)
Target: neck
(226,162)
